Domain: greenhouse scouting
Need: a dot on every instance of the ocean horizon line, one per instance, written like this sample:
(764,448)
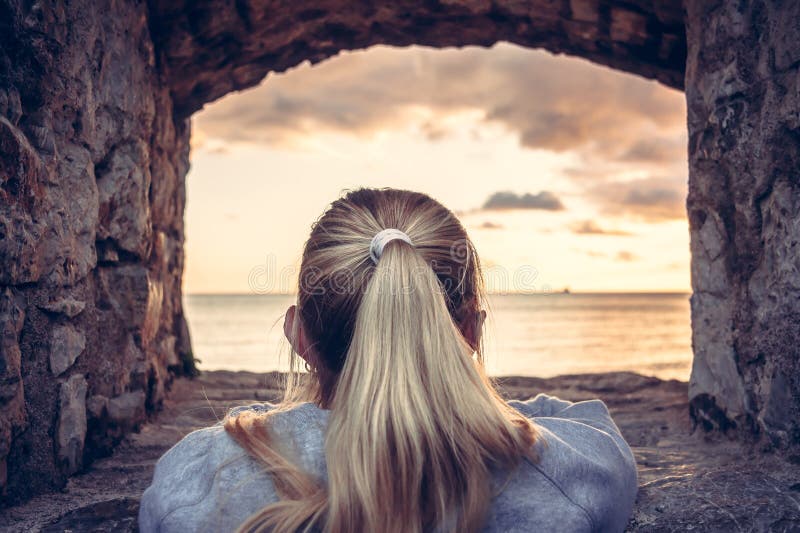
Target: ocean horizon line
(561,292)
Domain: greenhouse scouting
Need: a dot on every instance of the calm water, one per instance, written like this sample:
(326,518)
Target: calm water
(534,335)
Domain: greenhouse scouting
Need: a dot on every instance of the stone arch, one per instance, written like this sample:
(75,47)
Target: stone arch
(207,50)
(94,141)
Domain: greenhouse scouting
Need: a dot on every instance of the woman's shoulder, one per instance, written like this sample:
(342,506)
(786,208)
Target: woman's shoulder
(586,456)
(587,417)
(207,471)
(184,480)
(546,405)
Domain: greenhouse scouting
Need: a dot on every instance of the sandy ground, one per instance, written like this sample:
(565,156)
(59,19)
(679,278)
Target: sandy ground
(688,481)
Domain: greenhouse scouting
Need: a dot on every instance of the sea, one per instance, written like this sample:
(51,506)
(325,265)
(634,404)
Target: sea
(540,335)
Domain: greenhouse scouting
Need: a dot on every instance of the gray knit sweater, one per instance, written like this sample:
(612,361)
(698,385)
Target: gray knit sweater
(585,480)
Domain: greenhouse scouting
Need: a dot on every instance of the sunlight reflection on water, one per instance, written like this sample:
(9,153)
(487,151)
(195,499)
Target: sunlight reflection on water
(534,335)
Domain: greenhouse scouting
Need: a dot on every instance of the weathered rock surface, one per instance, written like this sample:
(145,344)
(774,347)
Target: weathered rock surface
(92,162)
(686,481)
(123,184)
(12,399)
(127,407)
(743,100)
(71,422)
(66,344)
(209,49)
(69,307)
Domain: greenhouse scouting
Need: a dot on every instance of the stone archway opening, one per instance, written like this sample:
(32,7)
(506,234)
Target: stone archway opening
(93,161)
(600,153)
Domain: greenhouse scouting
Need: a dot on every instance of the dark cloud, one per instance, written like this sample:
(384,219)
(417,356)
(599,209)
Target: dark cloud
(488,224)
(219,150)
(551,102)
(655,197)
(656,150)
(650,199)
(545,200)
(434,132)
(589,173)
(590,227)
(624,255)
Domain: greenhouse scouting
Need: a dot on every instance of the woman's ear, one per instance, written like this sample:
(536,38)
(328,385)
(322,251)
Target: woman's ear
(472,329)
(294,332)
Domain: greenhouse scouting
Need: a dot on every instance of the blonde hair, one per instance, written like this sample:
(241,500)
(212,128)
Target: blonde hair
(416,427)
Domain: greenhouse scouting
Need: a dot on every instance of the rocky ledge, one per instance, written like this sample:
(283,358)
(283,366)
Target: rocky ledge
(687,481)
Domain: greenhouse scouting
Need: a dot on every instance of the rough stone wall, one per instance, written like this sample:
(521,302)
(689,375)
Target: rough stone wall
(743,100)
(212,47)
(91,235)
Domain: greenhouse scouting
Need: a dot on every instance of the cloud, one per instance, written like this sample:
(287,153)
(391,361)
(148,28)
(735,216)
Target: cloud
(624,255)
(545,200)
(594,253)
(433,131)
(657,150)
(550,102)
(617,126)
(652,199)
(590,227)
(221,149)
(488,224)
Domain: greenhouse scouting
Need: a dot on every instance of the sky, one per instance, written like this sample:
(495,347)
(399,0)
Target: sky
(566,174)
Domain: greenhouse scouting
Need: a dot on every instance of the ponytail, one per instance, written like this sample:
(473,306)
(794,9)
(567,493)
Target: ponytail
(414,428)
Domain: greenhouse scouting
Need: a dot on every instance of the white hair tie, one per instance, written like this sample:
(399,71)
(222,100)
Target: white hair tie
(382,238)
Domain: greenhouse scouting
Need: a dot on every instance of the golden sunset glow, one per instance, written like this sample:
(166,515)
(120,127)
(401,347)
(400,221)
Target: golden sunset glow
(590,165)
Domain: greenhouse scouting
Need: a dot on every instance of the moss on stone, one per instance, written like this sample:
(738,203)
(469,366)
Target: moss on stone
(189,364)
